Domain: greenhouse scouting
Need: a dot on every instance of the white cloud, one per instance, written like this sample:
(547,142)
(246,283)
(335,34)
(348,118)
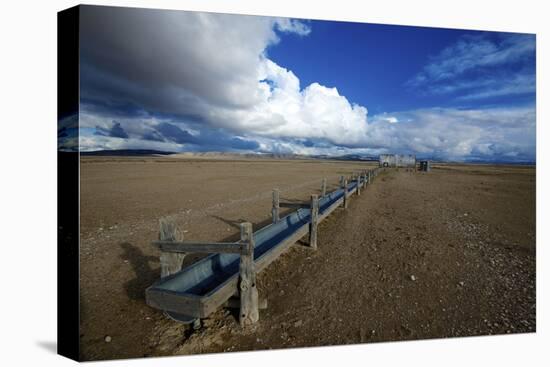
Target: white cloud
(457,134)
(474,52)
(169,79)
(480,67)
(293,26)
(210,66)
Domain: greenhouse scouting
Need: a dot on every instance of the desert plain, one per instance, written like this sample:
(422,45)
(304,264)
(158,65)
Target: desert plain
(448,253)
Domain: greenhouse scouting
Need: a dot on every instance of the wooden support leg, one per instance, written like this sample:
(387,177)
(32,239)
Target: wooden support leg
(358,185)
(324,187)
(345,194)
(275,206)
(247,283)
(314,222)
(170,262)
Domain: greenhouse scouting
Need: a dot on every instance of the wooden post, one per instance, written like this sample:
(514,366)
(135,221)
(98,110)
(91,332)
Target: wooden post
(170,263)
(247,279)
(342,181)
(314,222)
(275,206)
(345,193)
(324,187)
(358,185)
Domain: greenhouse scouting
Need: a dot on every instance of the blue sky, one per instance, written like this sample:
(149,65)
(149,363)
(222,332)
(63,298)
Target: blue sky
(184,81)
(376,64)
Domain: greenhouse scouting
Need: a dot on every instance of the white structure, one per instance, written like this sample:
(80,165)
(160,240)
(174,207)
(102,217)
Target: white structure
(397,160)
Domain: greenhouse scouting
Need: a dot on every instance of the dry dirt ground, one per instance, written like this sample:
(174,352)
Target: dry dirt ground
(416,255)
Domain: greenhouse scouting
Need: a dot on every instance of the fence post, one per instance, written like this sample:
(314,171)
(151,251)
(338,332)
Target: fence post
(275,206)
(345,193)
(170,262)
(324,187)
(314,221)
(247,283)
(358,185)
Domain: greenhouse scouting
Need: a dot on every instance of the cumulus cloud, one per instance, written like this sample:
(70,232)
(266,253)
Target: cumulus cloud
(174,80)
(208,67)
(459,134)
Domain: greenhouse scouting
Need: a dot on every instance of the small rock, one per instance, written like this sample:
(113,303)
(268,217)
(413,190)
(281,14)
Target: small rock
(108,339)
(461,284)
(298,323)
(413,278)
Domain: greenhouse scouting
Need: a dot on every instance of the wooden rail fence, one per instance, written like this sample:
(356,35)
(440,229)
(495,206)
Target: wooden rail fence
(192,293)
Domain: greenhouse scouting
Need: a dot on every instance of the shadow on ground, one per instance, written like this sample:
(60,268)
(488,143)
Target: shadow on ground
(141,265)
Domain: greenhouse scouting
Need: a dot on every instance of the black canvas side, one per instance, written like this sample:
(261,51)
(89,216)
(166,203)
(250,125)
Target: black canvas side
(68,184)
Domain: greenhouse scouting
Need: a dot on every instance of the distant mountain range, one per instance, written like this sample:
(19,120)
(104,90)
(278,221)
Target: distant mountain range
(223,155)
(236,155)
(126,152)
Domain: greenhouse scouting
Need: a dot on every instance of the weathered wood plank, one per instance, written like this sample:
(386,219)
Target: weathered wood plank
(247,283)
(170,263)
(294,205)
(324,187)
(314,222)
(200,247)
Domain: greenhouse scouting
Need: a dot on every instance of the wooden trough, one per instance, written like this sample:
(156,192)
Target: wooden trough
(198,290)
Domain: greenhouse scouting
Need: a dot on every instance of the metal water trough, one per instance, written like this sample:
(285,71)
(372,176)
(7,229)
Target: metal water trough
(204,286)
(199,289)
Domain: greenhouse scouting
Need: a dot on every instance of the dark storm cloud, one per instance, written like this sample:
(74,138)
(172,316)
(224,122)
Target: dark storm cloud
(175,134)
(115,131)
(170,61)
(206,138)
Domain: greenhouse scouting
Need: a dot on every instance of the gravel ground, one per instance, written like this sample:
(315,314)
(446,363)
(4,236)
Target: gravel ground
(418,255)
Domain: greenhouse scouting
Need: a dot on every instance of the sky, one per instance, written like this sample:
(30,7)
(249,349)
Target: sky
(189,81)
